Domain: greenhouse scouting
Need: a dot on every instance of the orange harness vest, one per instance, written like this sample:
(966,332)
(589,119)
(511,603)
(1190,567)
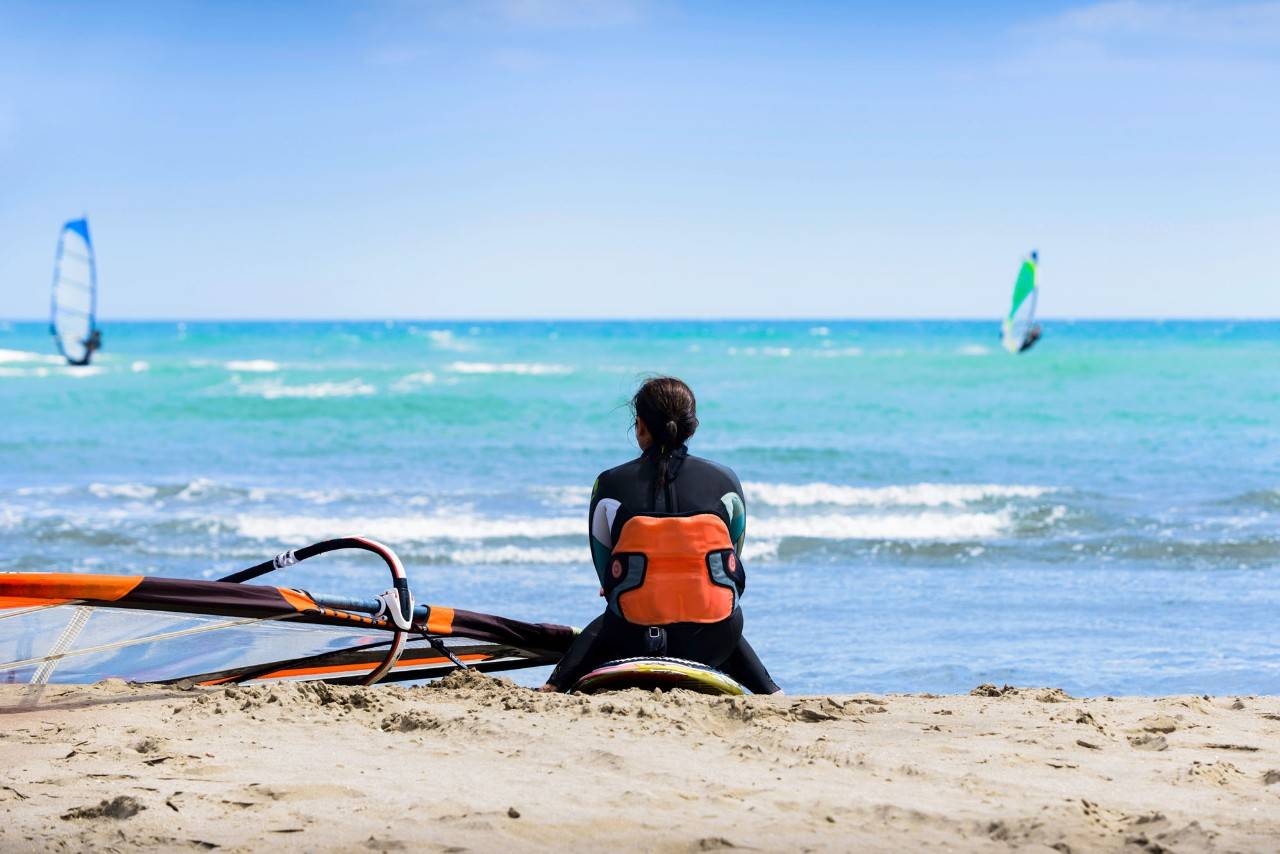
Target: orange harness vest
(674,569)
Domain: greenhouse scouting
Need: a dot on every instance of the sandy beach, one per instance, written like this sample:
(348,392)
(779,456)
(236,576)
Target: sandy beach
(476,763)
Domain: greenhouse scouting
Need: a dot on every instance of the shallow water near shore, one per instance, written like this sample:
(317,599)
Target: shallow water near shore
(926,512)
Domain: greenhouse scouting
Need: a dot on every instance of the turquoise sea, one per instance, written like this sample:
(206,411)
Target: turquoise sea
(926,512)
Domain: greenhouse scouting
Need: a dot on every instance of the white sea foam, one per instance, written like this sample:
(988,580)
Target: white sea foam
(910,495)
(777,352)
(929,525)
(140,366)
(444,339)
(393,529)
(839,352)
(533,369)
(517,555)
(197,489)
(413,381)
(974,350)
(46,490)
(820,331)
(760,548)
(24,356)
(277,390)
(44,366)
(252,366)
(565,496)
(131,491)
(259,495)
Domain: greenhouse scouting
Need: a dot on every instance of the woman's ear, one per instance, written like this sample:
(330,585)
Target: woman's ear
(643,437)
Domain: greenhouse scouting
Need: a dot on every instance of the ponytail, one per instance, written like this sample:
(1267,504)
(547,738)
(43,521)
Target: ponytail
(669,411)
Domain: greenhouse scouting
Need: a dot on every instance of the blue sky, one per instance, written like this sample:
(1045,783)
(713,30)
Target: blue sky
(625,158)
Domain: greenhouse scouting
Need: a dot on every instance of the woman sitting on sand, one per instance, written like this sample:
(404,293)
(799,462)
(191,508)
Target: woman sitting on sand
(666,530)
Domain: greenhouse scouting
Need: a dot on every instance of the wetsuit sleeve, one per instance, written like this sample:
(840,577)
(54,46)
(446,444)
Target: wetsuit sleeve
(736,505)
(600,516)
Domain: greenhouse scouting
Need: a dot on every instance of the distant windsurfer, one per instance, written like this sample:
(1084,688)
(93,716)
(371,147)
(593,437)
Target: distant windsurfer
(666,531)
(1019,331)
(92,344)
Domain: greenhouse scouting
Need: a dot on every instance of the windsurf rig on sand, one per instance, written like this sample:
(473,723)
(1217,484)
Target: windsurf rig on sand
(80,628)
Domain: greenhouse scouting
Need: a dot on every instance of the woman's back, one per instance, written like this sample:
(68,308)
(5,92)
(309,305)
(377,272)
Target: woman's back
(665,532)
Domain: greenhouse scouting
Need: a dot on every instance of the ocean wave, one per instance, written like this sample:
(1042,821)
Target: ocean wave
(909,495)
(27,357)
(1267,499)
(414,381)
(533,369)
(974,350)
(442,339)
(952,527)
(130,491)
(565,496)
(514,555)
(222,493)
(252,366)
(401,529)
(198,489)
(64,370)
(776,352)
(277,390)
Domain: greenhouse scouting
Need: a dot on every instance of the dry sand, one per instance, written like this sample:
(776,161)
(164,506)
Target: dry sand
(479,764)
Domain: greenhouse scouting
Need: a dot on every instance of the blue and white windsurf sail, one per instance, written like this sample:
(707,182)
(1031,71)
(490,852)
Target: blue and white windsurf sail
(74,304)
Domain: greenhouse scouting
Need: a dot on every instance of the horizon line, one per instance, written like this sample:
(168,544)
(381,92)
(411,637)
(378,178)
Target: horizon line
(730,319)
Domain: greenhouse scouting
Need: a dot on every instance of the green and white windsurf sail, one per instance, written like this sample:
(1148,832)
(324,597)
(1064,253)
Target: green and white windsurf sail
(1022,312)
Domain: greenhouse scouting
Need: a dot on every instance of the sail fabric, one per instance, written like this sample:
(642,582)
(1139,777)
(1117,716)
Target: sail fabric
(72,627)
(75,292)
(1022,311)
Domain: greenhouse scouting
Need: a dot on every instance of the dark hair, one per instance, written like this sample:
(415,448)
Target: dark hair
(670,412)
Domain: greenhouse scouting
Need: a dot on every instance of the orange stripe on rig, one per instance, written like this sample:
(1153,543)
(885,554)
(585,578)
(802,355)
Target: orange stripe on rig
(28,589)
(440,620)
(298,599)
(337,669)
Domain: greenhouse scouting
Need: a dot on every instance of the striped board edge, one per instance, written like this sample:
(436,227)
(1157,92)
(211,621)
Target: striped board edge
(650,673)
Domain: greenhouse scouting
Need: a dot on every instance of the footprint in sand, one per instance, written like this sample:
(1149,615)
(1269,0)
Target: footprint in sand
(119,807)
(1149,742)
(1158,723)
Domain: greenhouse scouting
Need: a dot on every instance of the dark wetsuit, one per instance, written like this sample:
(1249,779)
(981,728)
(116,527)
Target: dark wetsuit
(91,345)
(692,484)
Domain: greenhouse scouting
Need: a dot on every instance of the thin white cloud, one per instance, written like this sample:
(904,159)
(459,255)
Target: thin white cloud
(402,29)
(1182,20)
(535,14)
(569,14)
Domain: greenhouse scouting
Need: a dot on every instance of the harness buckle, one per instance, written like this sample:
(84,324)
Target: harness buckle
(656,641)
